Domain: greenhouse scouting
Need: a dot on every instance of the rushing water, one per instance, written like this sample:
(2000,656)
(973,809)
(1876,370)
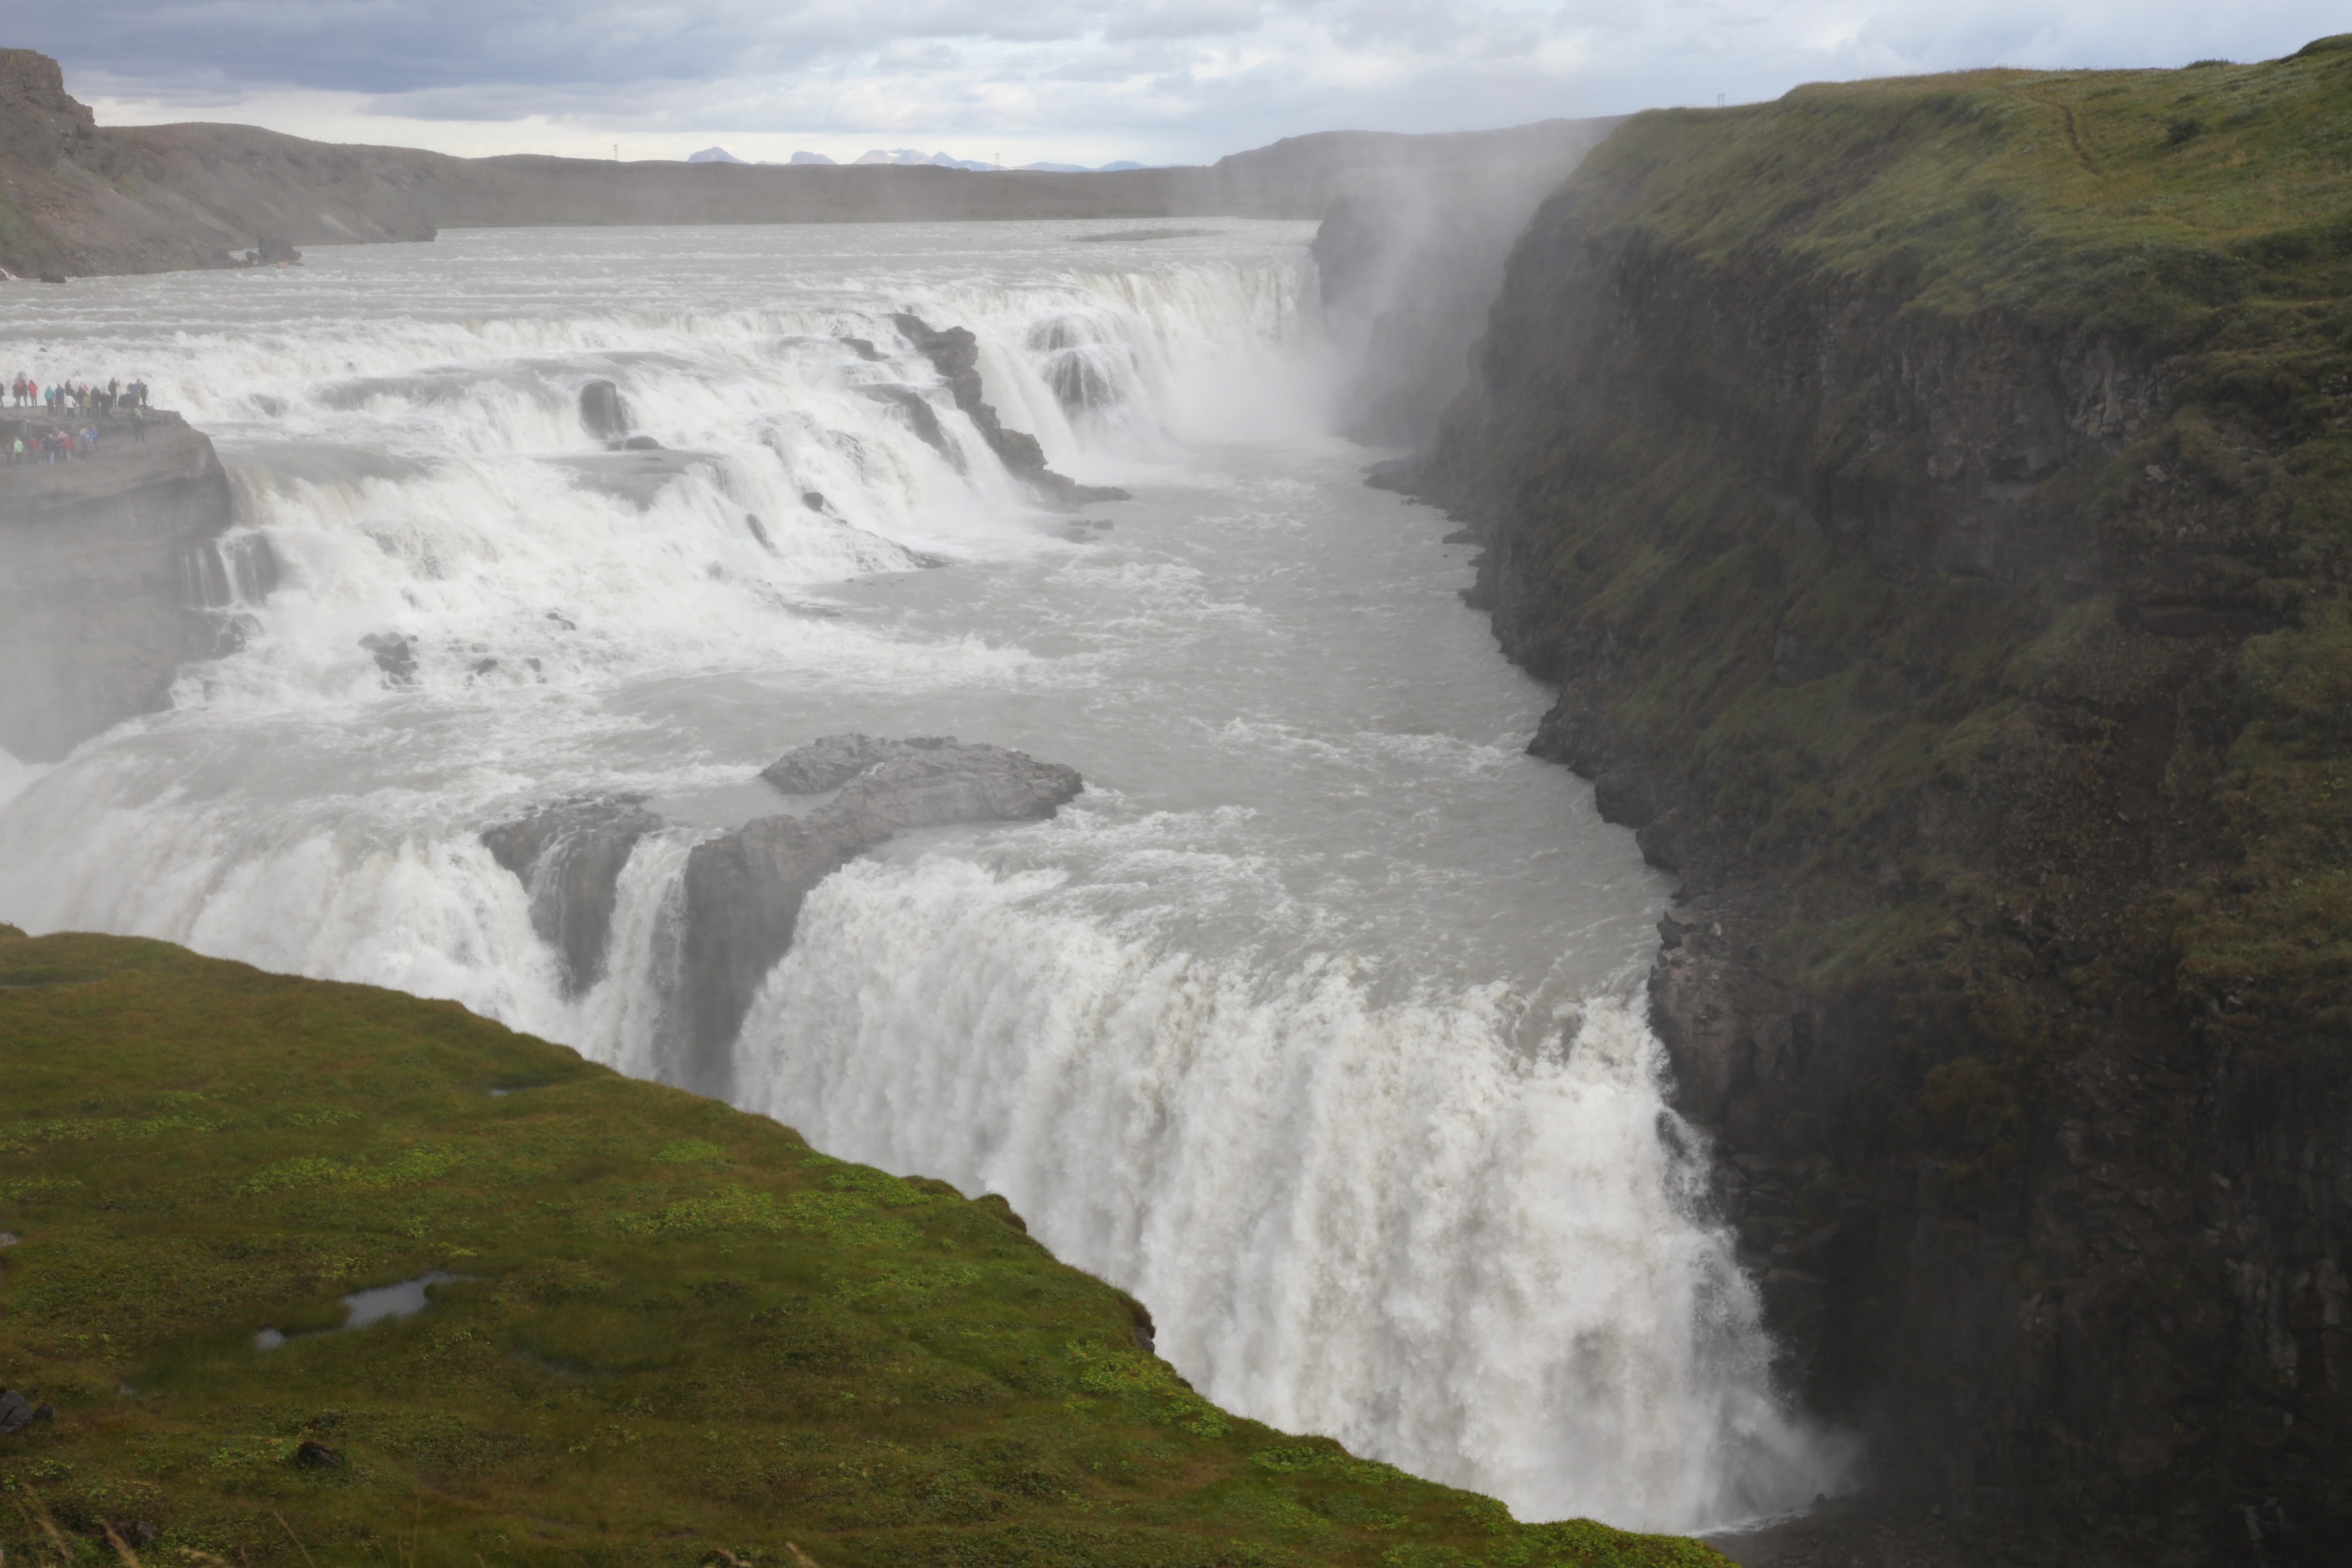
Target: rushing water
(1315,1021)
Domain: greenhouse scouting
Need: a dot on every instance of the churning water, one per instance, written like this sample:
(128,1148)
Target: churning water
(1314,1022)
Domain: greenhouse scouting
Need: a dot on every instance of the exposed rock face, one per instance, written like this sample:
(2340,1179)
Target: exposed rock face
(744,888)
(955,354)
(603,412)
(570,855)
(829,763)
(1956,617)
(111,576)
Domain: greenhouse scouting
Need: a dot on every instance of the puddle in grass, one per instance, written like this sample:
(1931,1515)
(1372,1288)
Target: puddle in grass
(404,1300)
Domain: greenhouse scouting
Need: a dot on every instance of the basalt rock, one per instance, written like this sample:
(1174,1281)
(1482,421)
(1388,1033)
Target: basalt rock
(833,761)
(955,354)
(115,569)
(744,888)
(570,856)
(602,413)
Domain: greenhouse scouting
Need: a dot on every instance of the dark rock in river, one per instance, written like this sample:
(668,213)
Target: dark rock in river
(831,761)
(603,412)
(955,354)
(570,855)
(744,888)
(396,654)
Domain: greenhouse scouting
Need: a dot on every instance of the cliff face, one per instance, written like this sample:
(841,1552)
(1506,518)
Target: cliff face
(1935,500)
(111,576)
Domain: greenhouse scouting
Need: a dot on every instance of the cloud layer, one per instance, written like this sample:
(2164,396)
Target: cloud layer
(1163,80)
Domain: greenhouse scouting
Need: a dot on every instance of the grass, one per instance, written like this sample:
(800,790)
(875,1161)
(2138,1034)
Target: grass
(678,1334)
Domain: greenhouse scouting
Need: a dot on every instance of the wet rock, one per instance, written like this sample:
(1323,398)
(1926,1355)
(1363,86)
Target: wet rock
(955,354)
(744,888)
(17,1413)
(396,654)
(921,416)
(277,248)
(831,761)
(602,410)
(570,855)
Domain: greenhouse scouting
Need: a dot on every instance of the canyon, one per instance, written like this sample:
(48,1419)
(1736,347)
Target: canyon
(1930,502)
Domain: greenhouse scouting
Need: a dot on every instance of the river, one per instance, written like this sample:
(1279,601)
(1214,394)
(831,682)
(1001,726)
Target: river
(1315,1021)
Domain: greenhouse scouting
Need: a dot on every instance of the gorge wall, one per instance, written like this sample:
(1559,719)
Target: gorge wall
(1934,499)
(111,575)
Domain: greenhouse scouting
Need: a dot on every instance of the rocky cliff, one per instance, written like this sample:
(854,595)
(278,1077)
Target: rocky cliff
(1934,499)
(112,574)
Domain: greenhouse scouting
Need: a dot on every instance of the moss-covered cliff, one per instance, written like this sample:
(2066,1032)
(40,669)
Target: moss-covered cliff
(1934,498)
(663,1331)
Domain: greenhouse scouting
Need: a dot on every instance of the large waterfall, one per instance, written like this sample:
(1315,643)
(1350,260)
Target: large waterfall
(1315,1022)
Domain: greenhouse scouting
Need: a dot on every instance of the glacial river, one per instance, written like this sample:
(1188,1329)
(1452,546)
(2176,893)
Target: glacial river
(1315,1021)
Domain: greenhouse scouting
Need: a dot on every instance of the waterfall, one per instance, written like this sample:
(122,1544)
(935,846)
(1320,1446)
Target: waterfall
(1315,1023)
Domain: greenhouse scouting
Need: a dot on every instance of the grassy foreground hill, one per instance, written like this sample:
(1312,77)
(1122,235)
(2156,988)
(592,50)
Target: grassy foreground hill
(676,1334)
(1934,498)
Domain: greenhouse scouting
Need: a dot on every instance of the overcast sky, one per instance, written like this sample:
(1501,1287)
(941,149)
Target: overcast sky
(1080,80)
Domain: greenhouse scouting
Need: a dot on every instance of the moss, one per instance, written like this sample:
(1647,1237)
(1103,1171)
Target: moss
(675,1333)
(1711,521)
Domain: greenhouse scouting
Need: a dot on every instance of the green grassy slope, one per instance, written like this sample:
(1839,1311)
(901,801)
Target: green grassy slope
(681,1335)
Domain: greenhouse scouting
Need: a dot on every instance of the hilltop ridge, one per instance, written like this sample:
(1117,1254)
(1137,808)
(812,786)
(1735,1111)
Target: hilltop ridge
(79,199)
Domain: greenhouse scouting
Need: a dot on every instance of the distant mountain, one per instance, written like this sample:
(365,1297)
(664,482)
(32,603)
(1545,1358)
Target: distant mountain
(1120,167)
(712,155)
(812,158)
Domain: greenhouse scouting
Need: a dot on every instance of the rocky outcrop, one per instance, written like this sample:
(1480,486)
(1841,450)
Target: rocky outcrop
(1944,591)
(744,888)
(113,574)
(955,354)
(568,856)
(603,412)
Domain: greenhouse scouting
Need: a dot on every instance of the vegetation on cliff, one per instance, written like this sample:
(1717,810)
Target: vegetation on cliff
(671,1332)
(1935,496)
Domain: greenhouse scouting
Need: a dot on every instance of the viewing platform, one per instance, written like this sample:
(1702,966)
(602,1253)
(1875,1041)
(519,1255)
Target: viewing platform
(166,449)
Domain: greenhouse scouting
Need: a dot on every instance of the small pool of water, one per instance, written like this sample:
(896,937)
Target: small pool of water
(405,1299)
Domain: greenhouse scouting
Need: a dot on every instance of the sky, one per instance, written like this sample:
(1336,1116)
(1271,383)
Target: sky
(1082,82)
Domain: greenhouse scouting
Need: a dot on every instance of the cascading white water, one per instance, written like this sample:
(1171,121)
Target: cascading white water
(1315,1022)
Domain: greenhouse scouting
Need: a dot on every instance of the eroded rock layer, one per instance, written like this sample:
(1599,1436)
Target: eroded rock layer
(744,888)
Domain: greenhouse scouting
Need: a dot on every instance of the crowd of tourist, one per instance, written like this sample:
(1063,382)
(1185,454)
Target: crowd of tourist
(42,440)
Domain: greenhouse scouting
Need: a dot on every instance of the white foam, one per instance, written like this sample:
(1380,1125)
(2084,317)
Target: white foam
(1284,1026)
